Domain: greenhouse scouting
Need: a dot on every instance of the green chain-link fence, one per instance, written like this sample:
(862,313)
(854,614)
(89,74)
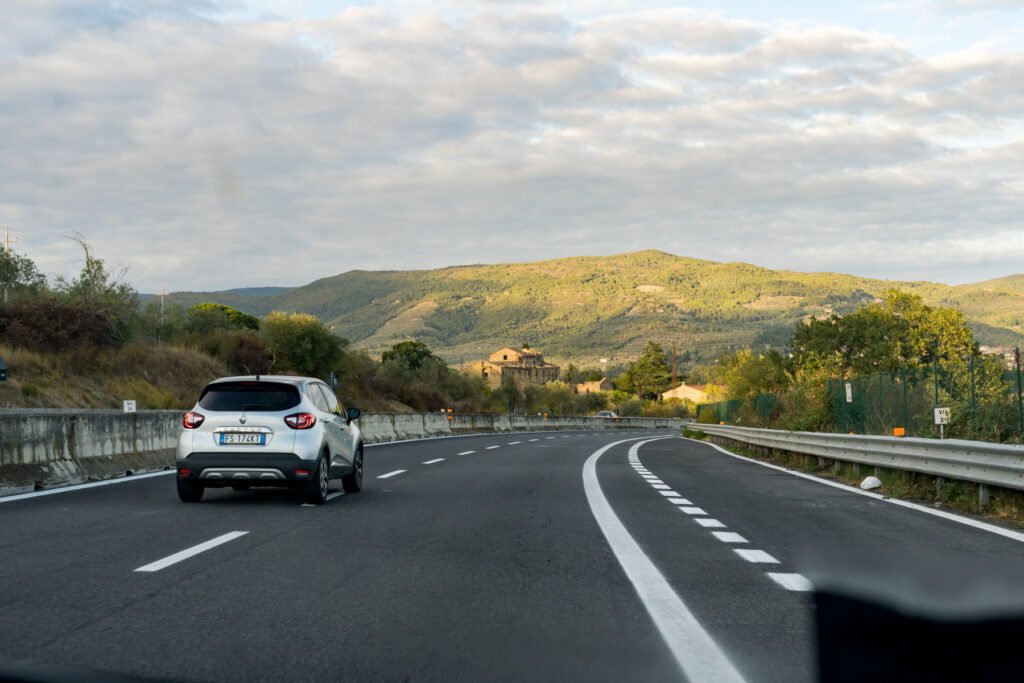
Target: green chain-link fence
(983,396)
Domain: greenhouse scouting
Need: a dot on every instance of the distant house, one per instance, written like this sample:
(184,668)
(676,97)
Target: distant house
(698,393)
(522,366)
(594,387)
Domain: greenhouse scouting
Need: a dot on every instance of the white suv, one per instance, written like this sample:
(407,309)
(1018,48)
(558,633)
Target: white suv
(269,431)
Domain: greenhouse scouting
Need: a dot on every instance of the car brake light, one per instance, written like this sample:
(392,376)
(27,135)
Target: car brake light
(184,473)
(300,420)
(302,473)
(193,420)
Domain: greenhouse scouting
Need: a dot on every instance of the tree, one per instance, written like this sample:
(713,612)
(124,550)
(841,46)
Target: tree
(648,376)
(900,331)
(412,355)
(102,293)
(747,374)
(300,342)
(206,317)
(18,275)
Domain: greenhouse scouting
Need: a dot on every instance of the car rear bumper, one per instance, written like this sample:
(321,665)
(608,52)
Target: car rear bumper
(253,468)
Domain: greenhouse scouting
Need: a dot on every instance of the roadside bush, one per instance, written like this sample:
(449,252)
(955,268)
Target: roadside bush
(50,325)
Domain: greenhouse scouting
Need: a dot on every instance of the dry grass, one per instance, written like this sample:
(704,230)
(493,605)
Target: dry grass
(154,376)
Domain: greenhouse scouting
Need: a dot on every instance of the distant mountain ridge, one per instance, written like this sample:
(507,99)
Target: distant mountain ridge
(587,308)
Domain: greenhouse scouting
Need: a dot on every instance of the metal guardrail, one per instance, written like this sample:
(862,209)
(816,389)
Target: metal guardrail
(974,461)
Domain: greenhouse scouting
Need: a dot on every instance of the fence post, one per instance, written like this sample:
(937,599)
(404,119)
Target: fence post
(906,404)
(974,401)
(1020,405)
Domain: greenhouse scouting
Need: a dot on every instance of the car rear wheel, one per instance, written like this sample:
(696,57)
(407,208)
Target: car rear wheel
(316,487)
(353,481)
(189,491)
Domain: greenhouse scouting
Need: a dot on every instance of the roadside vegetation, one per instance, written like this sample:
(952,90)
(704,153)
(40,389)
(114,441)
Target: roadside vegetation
(881,367)
(92,342)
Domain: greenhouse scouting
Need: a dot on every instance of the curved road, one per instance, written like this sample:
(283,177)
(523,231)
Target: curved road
(547,556)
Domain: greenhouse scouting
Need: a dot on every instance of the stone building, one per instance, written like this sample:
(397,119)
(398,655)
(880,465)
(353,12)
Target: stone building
(595,387)
(522,366)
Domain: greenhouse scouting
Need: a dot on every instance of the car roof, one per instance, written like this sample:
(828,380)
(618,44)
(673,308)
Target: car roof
(286,379)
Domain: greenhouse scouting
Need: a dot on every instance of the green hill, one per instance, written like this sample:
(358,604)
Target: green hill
(587,308)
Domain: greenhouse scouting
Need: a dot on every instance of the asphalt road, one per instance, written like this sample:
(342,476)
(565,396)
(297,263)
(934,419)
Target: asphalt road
(541,556)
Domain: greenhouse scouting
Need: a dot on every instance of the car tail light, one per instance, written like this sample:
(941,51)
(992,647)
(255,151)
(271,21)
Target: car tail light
(193,420)
(302,473)
(300,420)
(184,473)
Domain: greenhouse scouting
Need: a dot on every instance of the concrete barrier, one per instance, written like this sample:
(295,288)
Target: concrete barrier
(45,448)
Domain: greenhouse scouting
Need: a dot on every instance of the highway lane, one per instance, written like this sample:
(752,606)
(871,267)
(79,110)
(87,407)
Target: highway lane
(478,558)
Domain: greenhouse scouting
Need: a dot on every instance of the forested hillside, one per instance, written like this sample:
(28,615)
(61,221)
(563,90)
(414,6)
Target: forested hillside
(587,308)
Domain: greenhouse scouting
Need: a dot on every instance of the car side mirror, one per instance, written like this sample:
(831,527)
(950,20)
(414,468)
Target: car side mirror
(354,413)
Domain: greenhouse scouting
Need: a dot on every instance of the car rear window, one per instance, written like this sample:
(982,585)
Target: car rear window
(249,396)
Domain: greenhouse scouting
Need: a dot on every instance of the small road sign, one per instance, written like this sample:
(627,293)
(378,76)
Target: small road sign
(129,406)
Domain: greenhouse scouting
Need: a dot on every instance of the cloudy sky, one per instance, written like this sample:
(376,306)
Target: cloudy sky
(207,144)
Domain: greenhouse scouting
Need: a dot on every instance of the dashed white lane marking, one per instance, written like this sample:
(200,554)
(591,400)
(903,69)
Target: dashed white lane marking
(694,649)
(532,440)
(548,437)
(661,487)
(757,556)
(513,443)
(991,528)
(669,493)
(189,552)
(728,537)
(390,474)
(491,448)
(693,511)
(793,582)
(466,452)
(431,462)
(709,523)
(679,501)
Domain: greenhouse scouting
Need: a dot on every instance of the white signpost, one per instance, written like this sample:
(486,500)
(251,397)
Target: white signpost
(849,392)
(129,406)
(942,419)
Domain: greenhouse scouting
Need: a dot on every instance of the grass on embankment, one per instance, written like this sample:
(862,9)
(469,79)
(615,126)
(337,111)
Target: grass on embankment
(1005,505)
(156,377)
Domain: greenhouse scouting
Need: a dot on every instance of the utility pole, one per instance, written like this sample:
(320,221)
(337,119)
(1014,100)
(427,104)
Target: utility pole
(7,242)
(675,372)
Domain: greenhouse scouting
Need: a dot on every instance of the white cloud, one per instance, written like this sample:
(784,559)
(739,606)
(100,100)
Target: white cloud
(206,153)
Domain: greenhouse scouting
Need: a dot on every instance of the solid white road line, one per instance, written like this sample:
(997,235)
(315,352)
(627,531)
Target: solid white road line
(336,494)
(431,462)
(695,651)
(79,487)
(758,556)
(491,448)
(709,523)
(189,552)
(728,537)
(693,511)
(793,582)
(991,528)
(390,474)
(466,452)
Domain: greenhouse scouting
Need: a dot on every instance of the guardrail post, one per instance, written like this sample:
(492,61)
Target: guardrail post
(939,483)
(983,496)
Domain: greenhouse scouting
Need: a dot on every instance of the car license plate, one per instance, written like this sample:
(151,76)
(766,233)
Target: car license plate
(241,439)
